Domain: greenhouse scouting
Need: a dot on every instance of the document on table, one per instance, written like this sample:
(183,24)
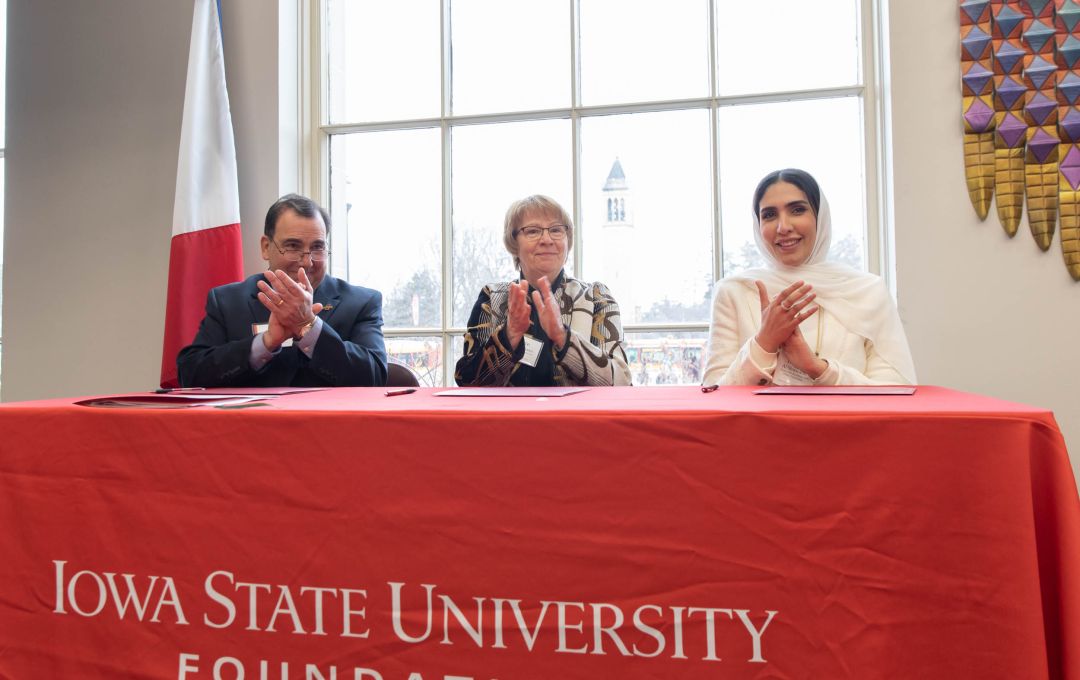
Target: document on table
(838,389)
(169,400)
(511,392)
(192,397)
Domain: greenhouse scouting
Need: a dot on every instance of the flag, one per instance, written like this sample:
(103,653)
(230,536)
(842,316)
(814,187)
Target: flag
(206,250)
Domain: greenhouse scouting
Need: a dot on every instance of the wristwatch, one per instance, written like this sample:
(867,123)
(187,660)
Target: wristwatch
(304,329)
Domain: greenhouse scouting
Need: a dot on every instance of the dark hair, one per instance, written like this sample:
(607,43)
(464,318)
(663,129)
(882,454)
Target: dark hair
(800,178)
(301,205)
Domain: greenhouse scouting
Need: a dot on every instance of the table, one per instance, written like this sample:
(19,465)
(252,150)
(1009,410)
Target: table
(614,533)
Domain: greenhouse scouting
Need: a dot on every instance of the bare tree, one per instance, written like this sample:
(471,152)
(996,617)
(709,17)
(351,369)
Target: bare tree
(479,259)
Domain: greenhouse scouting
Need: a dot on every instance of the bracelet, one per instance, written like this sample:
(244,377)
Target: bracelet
(305,328)
(817,380)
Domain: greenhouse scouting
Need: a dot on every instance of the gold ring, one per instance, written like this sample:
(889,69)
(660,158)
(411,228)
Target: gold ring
(280,301)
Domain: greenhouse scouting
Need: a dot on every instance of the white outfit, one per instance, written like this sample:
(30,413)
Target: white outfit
(857,330)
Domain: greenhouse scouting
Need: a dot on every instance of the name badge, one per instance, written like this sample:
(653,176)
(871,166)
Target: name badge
(787,374)
(257,328)
(532,351)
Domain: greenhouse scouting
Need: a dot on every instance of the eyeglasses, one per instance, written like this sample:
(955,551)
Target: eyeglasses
(295,253)
(557,232)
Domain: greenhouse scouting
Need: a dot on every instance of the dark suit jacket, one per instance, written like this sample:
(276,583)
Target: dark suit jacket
(349,351)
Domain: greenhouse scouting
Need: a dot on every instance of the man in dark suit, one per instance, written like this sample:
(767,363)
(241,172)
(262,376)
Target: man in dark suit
(291,325)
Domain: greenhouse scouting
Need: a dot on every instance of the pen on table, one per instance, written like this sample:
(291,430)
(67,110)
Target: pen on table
(710,388)
(394,393)
(166,390)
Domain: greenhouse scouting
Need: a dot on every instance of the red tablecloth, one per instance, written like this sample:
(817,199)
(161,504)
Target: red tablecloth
(615,533)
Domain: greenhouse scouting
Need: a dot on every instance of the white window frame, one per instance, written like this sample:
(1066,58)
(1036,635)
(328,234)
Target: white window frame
(315,132)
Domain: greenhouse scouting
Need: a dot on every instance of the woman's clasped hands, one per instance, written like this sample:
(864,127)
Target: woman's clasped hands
(780,319)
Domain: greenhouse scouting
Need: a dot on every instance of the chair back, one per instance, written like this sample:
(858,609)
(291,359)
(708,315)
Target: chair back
(400,375)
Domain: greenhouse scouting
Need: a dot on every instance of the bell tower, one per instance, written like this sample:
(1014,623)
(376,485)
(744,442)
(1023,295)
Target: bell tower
(618,241)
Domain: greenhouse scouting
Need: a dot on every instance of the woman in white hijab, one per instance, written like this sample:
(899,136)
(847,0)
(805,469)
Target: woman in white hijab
(801,320)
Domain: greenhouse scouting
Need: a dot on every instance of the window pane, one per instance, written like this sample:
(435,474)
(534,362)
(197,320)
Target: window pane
(422,354)
(510,55)
(385,203)
(644,51)
(494,165)
(666,358)
(801,45)
(647,213)
(383,59)
(823,137)
(457,350)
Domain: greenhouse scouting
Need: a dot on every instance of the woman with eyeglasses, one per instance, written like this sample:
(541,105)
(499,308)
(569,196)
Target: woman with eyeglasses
(801,320)
(545,328)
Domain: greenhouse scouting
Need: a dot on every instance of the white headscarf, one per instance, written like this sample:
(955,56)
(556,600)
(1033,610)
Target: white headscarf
(859,300)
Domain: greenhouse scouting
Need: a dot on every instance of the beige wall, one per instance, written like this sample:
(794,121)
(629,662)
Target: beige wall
(94,102)
(95,94)
(95,97)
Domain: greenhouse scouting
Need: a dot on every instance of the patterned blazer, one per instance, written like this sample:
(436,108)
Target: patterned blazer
(593,354)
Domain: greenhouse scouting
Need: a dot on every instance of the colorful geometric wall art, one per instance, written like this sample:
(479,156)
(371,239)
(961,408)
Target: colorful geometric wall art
(1010,128)
(1020,80)
(1067,43)
(1041,116)
(977,71)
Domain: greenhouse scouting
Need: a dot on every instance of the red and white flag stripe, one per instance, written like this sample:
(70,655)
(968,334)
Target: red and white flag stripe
(206,239)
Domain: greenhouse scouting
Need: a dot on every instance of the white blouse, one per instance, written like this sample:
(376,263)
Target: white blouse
(734,358)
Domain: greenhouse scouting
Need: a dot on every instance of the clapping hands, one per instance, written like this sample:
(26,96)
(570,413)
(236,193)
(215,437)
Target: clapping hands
(289,303)
(519,313)
(781,316)
(780,319)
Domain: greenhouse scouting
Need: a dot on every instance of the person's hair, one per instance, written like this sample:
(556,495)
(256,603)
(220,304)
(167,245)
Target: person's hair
(536,203)
(799,178)
(301,205)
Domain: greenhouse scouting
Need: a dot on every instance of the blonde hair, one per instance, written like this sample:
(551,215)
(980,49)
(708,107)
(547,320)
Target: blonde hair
(536,203)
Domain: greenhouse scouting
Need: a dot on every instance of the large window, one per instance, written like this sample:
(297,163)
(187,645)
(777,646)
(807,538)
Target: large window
(650,121)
